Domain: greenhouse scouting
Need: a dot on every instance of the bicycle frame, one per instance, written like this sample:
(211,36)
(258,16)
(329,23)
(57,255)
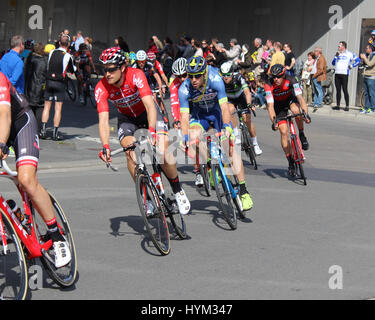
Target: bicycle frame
(293,133)
(30,241)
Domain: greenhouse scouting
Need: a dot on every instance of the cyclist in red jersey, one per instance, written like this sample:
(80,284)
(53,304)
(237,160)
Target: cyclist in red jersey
(283,93)
(158,67)
(19,129)
(85,66)
(128,90)
(179,70)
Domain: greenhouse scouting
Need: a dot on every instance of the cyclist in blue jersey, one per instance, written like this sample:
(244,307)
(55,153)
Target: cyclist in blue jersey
(204,102)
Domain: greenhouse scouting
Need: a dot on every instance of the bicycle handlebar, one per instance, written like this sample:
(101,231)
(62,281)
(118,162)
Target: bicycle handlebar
(4,165)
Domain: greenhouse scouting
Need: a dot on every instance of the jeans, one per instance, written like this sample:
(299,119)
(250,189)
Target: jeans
(318,93)
(259,97)
(370,93)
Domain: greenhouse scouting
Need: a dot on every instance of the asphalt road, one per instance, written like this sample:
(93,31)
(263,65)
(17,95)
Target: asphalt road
(285,250)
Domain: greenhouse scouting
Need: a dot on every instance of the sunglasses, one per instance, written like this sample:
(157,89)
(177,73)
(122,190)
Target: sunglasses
(183,76)
(111,70)
(196,76)
(228,75)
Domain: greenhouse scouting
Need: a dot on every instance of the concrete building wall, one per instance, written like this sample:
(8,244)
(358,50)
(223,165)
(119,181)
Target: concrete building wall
(303,23)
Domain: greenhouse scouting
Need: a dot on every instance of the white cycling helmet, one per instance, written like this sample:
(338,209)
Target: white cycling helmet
(179,67)
(226,68)
(141,55)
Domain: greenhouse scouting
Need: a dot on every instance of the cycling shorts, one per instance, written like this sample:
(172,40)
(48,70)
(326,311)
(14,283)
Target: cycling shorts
(24,139)
(55,91)
(240,103)
(127,126)
(282,108)
(206,120)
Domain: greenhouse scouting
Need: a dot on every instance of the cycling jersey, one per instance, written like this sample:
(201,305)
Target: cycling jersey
(283,94)
(128,98)
(204,107)
(83,58)
(24,128)
(149,72)
(10,96)
(344,61)
(236,88)
(159,68)
(175,101)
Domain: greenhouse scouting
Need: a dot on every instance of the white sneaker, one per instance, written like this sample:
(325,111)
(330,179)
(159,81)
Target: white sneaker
(183,203)
(258,151)
(150,208)
(199,181)
(63,255)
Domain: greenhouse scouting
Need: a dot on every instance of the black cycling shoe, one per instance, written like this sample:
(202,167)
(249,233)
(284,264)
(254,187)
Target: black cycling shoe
(304,142)
(43,135)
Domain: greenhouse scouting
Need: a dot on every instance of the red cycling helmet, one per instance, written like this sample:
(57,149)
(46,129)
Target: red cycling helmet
(113,56)
(151,56)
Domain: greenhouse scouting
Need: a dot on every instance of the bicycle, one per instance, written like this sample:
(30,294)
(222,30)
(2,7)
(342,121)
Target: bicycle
(226,187)
(70,88)
(154,203)
(22,243)
(247,146)
(88,90)
(160,103)
(297,152)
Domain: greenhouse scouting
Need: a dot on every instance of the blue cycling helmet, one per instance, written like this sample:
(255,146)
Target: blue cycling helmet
(197,65)
(373,33)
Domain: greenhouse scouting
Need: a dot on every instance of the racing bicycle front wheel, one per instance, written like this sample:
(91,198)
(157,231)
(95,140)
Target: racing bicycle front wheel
(13,267)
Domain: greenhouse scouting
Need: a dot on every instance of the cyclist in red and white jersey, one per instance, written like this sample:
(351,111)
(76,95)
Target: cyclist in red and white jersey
(85,66)
(19,129)
(283,93)
(179,70)
(128,90)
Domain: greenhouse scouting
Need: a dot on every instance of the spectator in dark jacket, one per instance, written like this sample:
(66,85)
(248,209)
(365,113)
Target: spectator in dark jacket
(35,80)
(119,41)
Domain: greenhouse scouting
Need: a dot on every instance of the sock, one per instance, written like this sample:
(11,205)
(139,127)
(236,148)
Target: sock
(54,231)
(56,131)
(243,189)
(44,127)
(175,185)
(254,141)
(301,132)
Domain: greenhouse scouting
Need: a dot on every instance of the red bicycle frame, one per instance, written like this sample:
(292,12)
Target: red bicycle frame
(296,154)
(31,241)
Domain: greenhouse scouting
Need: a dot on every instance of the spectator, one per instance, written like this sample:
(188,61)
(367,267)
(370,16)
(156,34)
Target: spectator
(267,55)
(35,81)
(168,50)
(277,57)
(257,57)
(198,47)
(59,64)
(152,47)
(120,42)
(88,43)
(290,59)
(220,56)
(235,51)
(319,73)
(307,78)
(369,78)
(372,39)
(78,41)
(72,48)
(245,65)
(206,49)
(344,61)
(260,94)
(29,46)
(158,43)
(12,66)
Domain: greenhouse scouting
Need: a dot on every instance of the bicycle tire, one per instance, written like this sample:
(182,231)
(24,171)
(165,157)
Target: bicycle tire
(228,209)
(156,225)
(71,89)
(206,179)
(179,224)
(64,277)
(237,201)
(248,147)
(299,161)
(15,289)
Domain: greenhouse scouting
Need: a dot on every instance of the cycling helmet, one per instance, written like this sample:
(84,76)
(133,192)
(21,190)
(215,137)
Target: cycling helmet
(141,55)
(278,70)
(113,56)
(48,48)
(373,33)
(83,47)
(197,65)
(29,44)
(227,69)
(151,56)
(179,67)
